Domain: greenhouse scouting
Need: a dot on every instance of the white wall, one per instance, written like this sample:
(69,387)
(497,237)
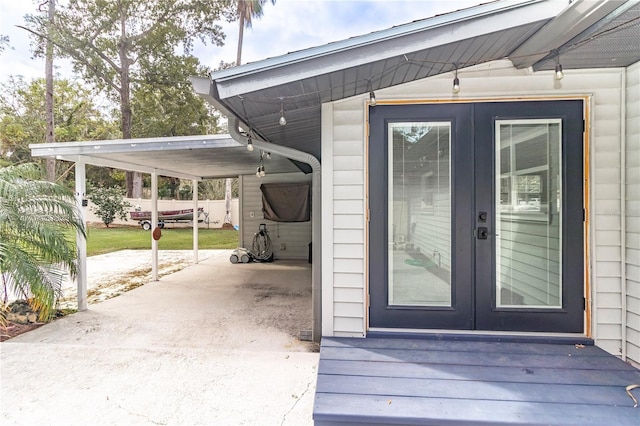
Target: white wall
(345,209)
(290,240)
(215,208)
(632,212)
(343,219)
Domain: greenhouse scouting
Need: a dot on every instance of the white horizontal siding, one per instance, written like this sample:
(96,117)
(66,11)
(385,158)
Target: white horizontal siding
(347,279)
(348,235)
(290,240)
(346,251)
(349,251)
(632,212)
(497,80)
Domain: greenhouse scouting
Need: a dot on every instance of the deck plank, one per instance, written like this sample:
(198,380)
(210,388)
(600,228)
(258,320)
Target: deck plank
(459,346)
(474,390)
(407,381)
(334,409)
(474,358)
(489,373)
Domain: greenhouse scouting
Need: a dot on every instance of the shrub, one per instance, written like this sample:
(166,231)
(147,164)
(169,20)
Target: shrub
(109,203)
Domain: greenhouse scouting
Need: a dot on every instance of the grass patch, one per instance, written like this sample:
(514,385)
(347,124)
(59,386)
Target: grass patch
(102,240)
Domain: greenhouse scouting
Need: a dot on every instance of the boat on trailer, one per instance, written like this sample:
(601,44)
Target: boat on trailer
(166,216)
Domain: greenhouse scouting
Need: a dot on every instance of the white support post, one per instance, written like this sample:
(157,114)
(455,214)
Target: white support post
(195,221)
(81,241)
(154,224)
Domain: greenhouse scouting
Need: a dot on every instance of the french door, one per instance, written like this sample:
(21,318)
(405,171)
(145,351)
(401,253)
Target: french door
(476,216)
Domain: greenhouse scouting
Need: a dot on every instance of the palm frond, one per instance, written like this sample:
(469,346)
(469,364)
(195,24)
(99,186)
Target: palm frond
(35,254)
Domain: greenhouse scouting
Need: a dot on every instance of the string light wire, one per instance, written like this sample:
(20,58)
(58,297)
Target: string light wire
(408,61)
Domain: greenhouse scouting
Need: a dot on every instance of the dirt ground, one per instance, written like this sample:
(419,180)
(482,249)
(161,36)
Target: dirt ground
(112,274)
(13,329)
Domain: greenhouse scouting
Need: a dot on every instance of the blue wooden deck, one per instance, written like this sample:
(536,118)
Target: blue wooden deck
(434,382)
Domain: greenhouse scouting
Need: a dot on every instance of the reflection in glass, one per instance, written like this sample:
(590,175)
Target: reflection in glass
(419,245)
(528,213)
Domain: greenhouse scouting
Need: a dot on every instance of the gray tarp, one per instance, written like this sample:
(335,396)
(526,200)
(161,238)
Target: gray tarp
(286,202)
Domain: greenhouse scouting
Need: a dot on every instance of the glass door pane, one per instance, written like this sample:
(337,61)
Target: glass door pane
(528,242)
(419,234)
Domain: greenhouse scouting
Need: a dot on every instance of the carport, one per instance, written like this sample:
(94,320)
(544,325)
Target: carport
(194,158)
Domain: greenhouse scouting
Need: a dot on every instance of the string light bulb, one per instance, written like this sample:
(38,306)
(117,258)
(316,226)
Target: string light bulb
(456,81)
(262,172)
(372,95)
(249,144)
(282,121)
(559,73)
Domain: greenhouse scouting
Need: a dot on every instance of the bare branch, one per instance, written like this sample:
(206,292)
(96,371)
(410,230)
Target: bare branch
(78,57)
(161,20)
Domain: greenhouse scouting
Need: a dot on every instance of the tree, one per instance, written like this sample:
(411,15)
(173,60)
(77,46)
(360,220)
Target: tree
(215,189)
(112,42)
(4,42)
(164,103)
(108,203)
(22,116)
(48,77)
(247,10)
(35,253)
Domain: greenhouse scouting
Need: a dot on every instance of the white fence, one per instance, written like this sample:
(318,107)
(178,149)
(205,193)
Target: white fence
(214,209)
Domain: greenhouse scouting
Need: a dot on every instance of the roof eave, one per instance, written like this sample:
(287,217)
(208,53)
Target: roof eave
(575,19)
(381,45)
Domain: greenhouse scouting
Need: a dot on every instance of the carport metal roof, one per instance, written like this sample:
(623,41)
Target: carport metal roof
(531,33)
(187,157)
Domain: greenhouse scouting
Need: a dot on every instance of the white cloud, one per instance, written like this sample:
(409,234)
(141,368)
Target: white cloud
(287,26)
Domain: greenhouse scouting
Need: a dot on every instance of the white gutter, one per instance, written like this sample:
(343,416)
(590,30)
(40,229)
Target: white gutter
(316,215)
(203,87)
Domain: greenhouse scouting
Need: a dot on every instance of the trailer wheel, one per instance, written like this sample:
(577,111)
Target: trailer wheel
(146,225)
(161,225)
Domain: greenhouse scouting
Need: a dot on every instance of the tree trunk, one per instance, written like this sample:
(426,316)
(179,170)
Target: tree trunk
(227,200)
(48,68)
(228,181)
(133,179)
(240,37)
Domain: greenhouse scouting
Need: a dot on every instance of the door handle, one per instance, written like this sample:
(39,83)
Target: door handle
(482,233)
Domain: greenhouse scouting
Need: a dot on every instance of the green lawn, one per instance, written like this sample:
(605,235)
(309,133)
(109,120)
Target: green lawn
(105,240)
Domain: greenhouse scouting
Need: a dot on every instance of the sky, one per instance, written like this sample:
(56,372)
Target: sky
(287,26)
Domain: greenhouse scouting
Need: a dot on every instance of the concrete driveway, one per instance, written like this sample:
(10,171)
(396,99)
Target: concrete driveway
(214,343)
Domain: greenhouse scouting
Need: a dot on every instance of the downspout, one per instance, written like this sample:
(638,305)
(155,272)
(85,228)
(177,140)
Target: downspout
(316,205)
